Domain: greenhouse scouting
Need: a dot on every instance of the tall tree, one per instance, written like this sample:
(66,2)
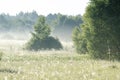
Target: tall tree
(102,22)
(41,29)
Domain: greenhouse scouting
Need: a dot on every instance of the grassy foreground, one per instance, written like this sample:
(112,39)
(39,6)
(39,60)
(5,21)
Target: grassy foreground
(17,64)
(53,65)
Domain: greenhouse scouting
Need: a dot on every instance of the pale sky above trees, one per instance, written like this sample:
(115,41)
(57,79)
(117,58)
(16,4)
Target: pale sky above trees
(44,7)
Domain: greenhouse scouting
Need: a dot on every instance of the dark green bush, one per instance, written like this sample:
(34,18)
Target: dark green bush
(47,43)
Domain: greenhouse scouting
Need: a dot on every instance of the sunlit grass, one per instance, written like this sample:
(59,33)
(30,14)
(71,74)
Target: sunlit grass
(31,66)
(55,65)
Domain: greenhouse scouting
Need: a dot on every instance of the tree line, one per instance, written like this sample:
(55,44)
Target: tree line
(23,23)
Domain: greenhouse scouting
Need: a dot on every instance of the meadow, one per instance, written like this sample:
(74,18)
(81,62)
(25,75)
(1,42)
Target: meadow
(19,64)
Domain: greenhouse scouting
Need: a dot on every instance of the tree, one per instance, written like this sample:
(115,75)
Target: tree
(112,18)
(40,37)
(41,29)
(23,24)
(66,24)
(79,40)
(96,41)
(101,28)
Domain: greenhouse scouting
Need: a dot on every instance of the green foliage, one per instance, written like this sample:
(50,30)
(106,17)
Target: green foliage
(41,29)
(79,41)
(101,28)
(97,38)
(66,24)
(41,39)
(63,23)
(23,23)
(43,44)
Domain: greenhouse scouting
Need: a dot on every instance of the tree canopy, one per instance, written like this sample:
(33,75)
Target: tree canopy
(23,23)
(41,29)
(101,28)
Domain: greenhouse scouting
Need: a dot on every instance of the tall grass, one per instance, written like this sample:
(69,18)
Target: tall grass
(18,64)
(61,66)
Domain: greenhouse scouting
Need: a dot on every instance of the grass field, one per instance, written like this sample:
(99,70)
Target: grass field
(17,64)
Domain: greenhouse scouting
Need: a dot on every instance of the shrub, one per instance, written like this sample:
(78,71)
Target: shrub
(47,43)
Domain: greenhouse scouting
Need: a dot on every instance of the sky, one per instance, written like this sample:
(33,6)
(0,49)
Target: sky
(44,7)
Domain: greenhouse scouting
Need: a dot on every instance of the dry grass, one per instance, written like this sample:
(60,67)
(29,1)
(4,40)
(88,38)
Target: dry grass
(17,64)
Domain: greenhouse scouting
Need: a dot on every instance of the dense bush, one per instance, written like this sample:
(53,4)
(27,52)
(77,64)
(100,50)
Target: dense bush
(47,43)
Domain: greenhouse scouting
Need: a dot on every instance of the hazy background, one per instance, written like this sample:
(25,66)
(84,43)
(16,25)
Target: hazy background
(17,17)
